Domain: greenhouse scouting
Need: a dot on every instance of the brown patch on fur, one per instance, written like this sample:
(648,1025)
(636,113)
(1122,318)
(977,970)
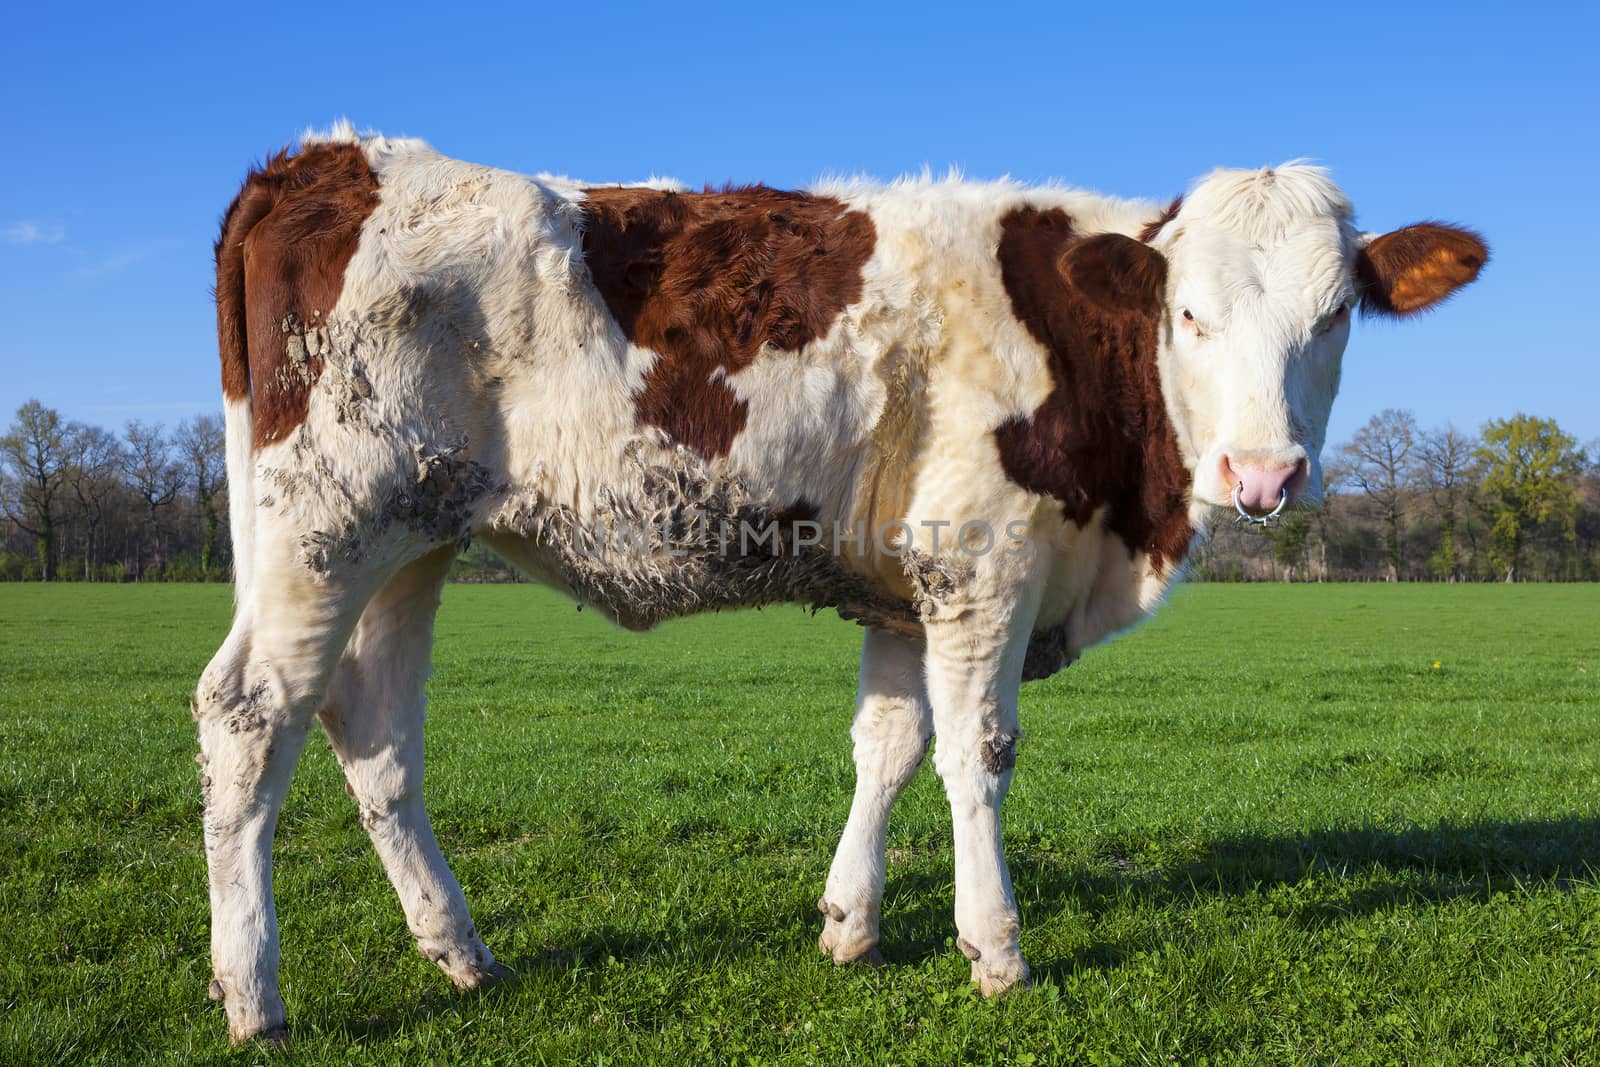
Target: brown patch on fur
(1154,226)
(706,280)
(286,240)
(1416,267)
(1102,437)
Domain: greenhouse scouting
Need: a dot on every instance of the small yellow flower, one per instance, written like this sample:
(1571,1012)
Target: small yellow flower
(1437,665)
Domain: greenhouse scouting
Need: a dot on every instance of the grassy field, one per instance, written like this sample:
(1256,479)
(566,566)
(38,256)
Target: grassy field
(1324,824)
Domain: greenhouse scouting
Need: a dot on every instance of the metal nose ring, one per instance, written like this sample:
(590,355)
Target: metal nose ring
(1260,520)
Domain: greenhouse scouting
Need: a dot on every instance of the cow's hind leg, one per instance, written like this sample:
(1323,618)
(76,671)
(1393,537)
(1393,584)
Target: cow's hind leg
(892,726)
(374,720)
(253,707)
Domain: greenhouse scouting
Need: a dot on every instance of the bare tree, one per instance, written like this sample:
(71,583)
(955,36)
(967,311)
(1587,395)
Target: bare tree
(152,476)
(94,459)
(202,442)
(1449,469)
(32,468)
(1378,461)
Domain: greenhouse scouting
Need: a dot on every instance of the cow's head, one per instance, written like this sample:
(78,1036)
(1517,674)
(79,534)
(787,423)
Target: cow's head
(1264,269)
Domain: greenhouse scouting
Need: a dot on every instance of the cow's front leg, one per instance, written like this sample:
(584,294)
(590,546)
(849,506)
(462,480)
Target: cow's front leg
(892,726)
(974,669)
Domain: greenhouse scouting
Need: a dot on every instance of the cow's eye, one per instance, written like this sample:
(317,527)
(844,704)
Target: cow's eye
(1340,313)
(1188,316)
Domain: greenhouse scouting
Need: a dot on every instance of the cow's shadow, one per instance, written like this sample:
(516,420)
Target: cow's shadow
(1337,873)
(1371,869)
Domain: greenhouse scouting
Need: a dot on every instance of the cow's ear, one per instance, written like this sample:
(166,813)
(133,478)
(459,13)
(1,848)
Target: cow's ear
(1415,268)
(1117,273)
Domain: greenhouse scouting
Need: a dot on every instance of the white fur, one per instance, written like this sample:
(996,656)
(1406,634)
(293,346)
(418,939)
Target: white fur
(470,347)
(893,726)
(1260,258)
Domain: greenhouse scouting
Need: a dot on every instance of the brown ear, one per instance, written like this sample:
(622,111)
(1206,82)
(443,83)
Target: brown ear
(1414,268)
(1117,273)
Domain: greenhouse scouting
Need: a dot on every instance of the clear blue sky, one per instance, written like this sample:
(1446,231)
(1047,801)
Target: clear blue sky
(126,132)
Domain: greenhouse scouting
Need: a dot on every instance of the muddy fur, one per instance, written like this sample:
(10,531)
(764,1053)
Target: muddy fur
(437,506)
(249,716)
(1000,753)
(448,486)
(344,372)
(205,776)
(934,580)
(690,539)
(438,503)
(672,547)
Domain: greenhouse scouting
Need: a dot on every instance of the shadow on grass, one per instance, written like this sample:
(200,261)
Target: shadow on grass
(1338,872)
(1452,859)
(594,952)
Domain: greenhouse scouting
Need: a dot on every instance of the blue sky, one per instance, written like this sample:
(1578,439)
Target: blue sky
(127,132)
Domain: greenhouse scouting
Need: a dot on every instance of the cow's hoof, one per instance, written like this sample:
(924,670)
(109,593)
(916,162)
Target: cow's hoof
(251,1018)
(274,1036)
(870,958)
(469,979)
(469,969)
(1003,976)
(997,970)
(493,974)
(846,940)
(842,949)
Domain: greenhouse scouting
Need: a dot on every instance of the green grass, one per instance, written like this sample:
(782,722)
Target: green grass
(1263,828)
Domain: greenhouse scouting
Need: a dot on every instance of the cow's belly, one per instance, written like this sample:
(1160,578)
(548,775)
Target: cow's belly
(640,590)
(674,535)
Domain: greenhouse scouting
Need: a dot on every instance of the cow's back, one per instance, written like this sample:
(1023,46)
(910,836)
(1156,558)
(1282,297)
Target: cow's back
(661,401)
(636,393)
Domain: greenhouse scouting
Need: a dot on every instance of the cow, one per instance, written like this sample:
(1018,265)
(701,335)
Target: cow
(986,421)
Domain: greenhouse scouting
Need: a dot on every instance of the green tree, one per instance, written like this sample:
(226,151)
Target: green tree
(33,467)
(1290,536)
(1530,480)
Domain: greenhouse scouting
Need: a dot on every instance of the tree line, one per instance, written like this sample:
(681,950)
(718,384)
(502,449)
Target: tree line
(78,502)
(1517,501)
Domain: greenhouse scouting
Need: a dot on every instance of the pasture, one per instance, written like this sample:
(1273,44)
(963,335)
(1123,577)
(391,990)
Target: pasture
(1353,824)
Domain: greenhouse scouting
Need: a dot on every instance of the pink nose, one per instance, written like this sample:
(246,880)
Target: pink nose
(1262,489)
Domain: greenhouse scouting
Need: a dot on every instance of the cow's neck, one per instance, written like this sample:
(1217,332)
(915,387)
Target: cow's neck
(1102,444)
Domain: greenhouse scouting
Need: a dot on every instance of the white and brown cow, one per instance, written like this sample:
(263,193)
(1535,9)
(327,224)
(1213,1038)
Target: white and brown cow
(984,420)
